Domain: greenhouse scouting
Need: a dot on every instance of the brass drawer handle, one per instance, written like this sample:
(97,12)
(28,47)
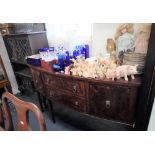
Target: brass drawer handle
(107,104)
(74,89)
(47,80)
(76,103)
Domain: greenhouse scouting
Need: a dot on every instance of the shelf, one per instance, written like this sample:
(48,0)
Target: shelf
(18,62)
(25,33)
(24,73)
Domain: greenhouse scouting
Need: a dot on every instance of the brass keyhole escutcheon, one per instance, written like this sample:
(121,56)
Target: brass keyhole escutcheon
(74,88)
(107,104)
(76,103)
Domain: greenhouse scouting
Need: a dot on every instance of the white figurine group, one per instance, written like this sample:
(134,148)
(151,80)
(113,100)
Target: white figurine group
(100,68)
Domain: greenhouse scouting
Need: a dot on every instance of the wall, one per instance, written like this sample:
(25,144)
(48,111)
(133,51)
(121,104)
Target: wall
(95,35)
(68,34)
(8,66)
(100,33)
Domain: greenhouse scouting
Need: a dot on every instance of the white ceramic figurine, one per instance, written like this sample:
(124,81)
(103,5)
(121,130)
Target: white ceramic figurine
(122,71)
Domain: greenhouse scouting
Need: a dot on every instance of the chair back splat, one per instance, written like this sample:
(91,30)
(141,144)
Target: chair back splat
(22,109)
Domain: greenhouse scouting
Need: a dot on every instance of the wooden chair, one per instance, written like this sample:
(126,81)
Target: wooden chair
(22,109)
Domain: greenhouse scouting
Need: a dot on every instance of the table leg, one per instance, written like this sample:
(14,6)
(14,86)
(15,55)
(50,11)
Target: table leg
(51,110)
(40,101)
(44,102)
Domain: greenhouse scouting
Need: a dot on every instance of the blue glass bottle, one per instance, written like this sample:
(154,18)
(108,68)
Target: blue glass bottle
(61,61)
(76,52)
(86,48)
(67,59)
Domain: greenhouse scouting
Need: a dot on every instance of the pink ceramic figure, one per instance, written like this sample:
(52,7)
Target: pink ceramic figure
(122,71)
(111,74)
(67,70)
(126,70)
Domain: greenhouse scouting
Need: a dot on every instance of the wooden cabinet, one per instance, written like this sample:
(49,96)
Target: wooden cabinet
(21,45)
(18,47)
(112,100)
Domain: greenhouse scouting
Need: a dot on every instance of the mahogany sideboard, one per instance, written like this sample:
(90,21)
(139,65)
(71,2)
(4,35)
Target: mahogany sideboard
(112,100)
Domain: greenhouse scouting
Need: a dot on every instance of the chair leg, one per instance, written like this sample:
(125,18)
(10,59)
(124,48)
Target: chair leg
(51,110)
(40,101)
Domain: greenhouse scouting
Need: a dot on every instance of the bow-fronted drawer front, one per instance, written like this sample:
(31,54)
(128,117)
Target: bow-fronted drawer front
(113,102)
(76,103)
(52,81)
(77,88)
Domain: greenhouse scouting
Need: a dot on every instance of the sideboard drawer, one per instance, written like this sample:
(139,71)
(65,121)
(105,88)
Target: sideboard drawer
(77,88)
(52,81)
(69,100)
(113,102)
(75,103)
(54,94)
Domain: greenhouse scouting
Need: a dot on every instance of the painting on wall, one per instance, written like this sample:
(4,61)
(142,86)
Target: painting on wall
(126,36)
(129,41)
(131,44)
(125,43)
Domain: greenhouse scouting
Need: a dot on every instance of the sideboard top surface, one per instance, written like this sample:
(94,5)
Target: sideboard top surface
(132,82)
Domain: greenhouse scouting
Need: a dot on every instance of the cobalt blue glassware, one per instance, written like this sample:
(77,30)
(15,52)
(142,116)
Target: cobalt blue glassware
(61,59)
(67,59)
(34,62)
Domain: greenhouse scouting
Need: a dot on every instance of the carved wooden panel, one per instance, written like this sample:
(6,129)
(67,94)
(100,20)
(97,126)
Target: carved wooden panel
(12,49)
(19,48)
(23,48)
